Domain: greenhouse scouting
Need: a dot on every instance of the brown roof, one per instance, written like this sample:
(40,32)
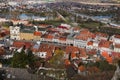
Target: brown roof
(117,36)
(105,43)
(2,51)
(85,35)
(47,48)
(37,33)
(101,34)
(90,43)
(117,45)
(19,44)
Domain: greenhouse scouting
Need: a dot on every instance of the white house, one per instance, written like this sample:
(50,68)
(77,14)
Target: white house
(15,32)
(117,48)
(80,43)
(116,39)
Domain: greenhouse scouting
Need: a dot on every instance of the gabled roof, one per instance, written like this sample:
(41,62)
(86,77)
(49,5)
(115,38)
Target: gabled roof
(47,48)
(117,36)
(101,34)
(19,44)
(2,51)
(105,43)
(85,34)
(90,43)
(37,33)
(117,45)
(63,27)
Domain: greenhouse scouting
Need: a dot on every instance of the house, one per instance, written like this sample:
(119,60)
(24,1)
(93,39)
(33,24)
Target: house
(105,45)
(15,32)
(116,39)
(37,35)
(19,44)
(45,51)
(89,45)
(82,38)
(48,37)
(116,47)
(101,36)
(2,51)
(64,28)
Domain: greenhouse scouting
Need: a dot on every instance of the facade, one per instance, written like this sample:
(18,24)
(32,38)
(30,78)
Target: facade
(26,36)
(80,43)
(15,32)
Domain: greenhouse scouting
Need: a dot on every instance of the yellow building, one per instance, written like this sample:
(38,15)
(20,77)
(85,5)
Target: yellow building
(26,36)
(30,36)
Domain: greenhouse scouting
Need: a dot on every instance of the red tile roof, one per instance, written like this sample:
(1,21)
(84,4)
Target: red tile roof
(63,27)
(117,36)
(117,45)
(116,54)
(71,49)
(67,62)
(101,34)
(85,35)
(105,54)
(90,43)
(2,51)
(62,39)
(81,68)
(19,44)
(47,48)
(93,51)
(37,33)
(49,36)
(105,43)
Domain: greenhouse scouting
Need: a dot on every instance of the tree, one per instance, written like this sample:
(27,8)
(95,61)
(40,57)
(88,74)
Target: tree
(57,59)
(19,60)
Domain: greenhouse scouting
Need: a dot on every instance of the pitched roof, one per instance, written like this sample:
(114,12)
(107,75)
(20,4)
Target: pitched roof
(67,62)
(90,43)
(117,36)
(19,44)
(85,35)
(71,49)
(81,68)
(105,43)
(48,36)
(37,33)
(2,51)
(63,27)
(62,39)
(101,34)
(49,48)
(117,45)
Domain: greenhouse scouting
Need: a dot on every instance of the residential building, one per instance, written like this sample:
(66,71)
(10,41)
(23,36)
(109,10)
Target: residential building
(15,32)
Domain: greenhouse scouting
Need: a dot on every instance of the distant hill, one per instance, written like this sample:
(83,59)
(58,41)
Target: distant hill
(93,1)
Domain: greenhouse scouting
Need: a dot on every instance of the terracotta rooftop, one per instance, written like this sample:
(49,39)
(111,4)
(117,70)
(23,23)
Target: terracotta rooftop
(19,44)
(101,34)
(116,54)
(37,33)
(48,36)
(71,49)
(117,36)
(63,27)
(105,43)
(117,45)
(2,51)
(93,51)
(90,43)
(85,35)
(47,48)
(62,39)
